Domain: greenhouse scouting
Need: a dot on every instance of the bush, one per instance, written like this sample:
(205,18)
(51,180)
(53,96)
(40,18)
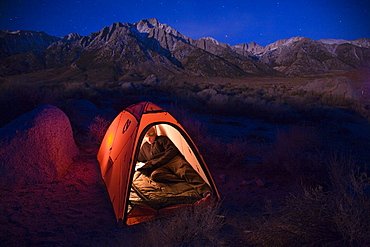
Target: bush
(15,100)
(98,129)
(317,217)
(209,147)
(193,227)
(297,152)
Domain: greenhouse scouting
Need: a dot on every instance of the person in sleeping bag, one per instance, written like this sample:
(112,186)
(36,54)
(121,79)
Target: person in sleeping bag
(164,163)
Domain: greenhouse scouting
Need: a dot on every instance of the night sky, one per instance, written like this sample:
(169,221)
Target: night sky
(231,22)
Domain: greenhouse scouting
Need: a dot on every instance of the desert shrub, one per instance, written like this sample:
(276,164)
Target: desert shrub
(236,152)
(191,124)
(231,100)
(80,90)
(305,221)
(297,152)
(218,100)
(98,129)
(213,150)
(258,108)
(317,217)
(303,103)
(364,110)
(318,105)
(216,152)
(20,98)
(337,101)
(168,86)
(230,154)
(193,227)
(276,104)
(352,211)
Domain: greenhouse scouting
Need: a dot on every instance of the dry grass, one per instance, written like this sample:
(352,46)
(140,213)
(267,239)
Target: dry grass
(193,227)
(20,98)
(338,216)
(269,99)
(298,152)
(335,214)
(98,129)
(273,100)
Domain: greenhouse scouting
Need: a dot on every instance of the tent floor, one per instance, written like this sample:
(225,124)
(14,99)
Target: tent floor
(160,195)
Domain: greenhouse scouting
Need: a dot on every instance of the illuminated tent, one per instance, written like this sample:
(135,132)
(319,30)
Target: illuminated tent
(119,151)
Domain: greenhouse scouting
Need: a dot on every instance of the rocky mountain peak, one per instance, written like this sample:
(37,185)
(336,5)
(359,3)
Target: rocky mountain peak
(248,49)
(115,25)
(210,40)
(72,37)
(148,25)
(155,22)
(283,42)
(21,41)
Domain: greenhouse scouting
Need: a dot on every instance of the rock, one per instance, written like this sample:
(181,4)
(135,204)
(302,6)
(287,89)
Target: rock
(222,177)
(246,182)
(151,80)
(207,94)
(127,86)
(260,182)
(338,86)
(37,147)
(254,160)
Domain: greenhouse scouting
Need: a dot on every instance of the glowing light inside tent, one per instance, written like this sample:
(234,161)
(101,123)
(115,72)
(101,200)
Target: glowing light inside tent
(110,139)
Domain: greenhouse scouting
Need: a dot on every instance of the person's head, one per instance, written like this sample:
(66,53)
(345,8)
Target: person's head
(151,135)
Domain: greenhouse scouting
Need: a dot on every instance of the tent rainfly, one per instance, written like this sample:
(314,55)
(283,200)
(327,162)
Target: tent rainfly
(135,197)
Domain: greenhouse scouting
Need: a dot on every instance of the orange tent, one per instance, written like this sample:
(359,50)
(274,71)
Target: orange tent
(119,151)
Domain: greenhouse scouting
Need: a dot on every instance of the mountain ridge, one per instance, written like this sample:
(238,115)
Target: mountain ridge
(126,51)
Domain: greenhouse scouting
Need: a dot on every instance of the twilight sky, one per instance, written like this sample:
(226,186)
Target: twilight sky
(231,22)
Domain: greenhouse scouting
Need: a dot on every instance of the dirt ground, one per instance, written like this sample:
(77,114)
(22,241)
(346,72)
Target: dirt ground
(76,210)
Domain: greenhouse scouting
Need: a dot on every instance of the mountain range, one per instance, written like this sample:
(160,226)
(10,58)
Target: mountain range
(126,51)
